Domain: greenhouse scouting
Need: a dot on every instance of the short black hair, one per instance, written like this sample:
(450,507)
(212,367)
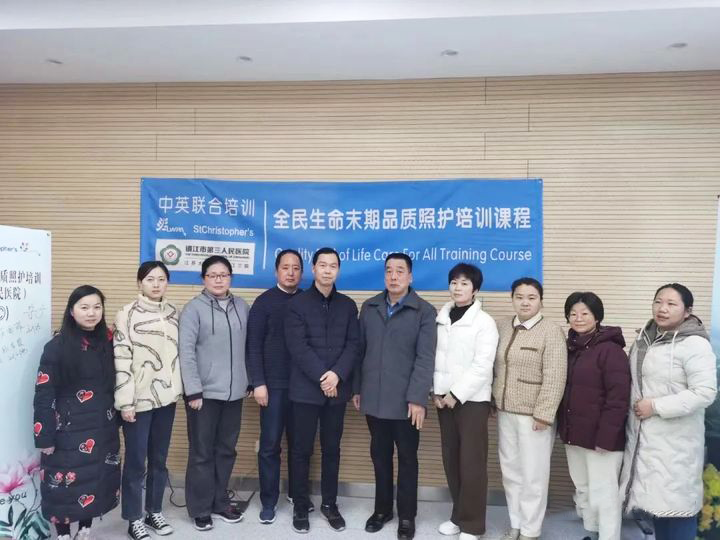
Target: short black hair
(149,266)
(526,281)
(288,252)
(214,259)
(403,257)
(469,271)
(325,251)
(590,299)
(682,290)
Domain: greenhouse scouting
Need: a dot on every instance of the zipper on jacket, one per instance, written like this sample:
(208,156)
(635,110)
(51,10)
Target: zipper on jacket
(631,475)
(507,366)
(227,318)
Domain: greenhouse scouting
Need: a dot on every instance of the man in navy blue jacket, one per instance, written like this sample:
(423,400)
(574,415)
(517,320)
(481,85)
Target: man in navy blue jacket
(268,367)
(322,335)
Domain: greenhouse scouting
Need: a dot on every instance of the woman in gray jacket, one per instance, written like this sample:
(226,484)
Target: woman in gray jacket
(212,362)
(673,380)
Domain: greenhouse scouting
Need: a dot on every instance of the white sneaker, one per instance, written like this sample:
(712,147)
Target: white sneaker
(448,528)
(466,536)
(83,534)
(511,534)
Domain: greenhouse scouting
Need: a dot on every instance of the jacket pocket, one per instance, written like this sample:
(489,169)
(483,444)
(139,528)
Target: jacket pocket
(530,382)
(533,349)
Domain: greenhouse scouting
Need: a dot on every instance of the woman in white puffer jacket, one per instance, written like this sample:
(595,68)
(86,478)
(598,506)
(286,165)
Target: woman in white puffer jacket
(462,387)
(673,381)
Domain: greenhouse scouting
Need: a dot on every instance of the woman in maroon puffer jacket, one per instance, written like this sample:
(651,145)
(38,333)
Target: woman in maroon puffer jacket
(591,417)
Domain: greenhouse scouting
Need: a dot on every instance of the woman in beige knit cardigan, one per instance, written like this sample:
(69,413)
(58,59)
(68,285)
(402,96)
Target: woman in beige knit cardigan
(148,383)
(530,372)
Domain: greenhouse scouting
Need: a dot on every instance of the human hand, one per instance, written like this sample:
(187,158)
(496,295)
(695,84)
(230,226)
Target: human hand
(449,400)
(438,401)
(128,415)
(48,451)
(261,395)
(539,426)
(416,414)
(356,401)
(195,404)
(644,408)
(329,381)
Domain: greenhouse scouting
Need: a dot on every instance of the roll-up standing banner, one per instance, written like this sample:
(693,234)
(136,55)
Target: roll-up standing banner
(25,312)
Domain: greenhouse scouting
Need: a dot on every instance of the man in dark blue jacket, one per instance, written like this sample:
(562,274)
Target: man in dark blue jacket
(322,335)
(268,367)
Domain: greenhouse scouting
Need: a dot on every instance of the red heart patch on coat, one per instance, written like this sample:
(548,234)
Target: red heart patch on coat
(84,395)
(37,428)
(86,500)
(42,378)
(87,446)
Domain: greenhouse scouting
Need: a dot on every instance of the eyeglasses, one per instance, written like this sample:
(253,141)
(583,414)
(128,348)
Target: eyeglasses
(215,277)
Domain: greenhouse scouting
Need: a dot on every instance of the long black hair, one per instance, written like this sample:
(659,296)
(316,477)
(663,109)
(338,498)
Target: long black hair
(74,340)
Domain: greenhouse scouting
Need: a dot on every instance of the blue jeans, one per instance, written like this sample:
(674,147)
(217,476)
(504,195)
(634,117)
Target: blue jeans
(675,528)
(148,437)
(274,420)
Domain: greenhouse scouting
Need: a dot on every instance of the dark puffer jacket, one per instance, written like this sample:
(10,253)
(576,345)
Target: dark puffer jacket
(75,414)
(321,334)
(597,393)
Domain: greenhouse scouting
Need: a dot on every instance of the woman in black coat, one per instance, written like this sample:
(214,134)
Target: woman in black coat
(76,425)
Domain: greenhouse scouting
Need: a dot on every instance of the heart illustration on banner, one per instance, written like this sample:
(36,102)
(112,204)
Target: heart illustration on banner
(37,428)
(86,500)
(42,378)
(84,395)
(87,446)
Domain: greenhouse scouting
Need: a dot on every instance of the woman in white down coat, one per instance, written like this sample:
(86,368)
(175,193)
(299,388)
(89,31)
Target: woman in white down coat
(673,380)
(462,385)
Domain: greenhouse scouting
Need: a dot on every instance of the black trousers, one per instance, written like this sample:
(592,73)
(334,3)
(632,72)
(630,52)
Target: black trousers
(385,435)
(305,418)
(213,433)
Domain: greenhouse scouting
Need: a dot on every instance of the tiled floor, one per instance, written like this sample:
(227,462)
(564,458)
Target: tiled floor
(558,526)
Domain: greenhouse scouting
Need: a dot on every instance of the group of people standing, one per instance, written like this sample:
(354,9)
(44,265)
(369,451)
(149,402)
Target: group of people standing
(304,354)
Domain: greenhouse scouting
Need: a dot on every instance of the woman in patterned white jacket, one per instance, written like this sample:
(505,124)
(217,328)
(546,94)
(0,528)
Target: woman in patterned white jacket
(148,384)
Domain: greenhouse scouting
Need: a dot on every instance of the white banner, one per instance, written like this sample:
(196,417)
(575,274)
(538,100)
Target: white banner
(715,315)
(25,312)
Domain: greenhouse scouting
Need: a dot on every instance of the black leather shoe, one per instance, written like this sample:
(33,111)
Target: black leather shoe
(376,522)
(406,529)
(300,522)
(332,514)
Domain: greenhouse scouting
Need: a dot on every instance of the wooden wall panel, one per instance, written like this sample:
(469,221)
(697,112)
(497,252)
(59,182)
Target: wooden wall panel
(630,163)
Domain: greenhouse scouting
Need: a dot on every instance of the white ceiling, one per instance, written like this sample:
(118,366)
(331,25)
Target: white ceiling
(179,40)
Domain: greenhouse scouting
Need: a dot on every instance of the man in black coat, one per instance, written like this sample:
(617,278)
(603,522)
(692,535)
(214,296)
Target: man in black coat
(397,340)
(322,336)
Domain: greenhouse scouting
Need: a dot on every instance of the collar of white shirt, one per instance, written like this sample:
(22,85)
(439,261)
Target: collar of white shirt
(529,323)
